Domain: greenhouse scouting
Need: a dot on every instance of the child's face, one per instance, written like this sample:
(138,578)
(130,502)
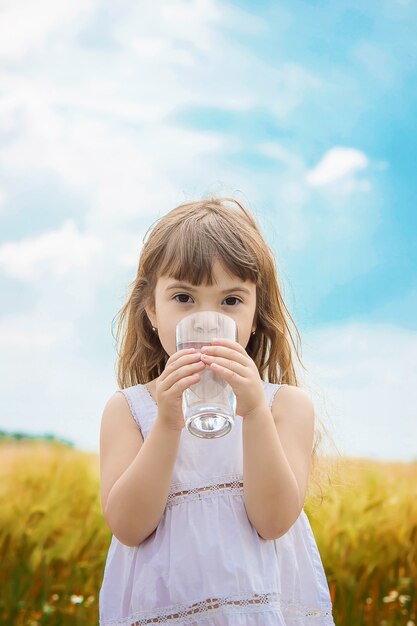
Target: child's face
(170,309)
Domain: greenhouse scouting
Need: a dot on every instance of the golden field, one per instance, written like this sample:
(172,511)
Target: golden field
(54,540)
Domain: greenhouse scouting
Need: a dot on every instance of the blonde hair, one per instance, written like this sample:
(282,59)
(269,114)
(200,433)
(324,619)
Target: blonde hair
(183,245)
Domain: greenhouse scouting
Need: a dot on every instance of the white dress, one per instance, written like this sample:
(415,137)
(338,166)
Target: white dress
(205,564)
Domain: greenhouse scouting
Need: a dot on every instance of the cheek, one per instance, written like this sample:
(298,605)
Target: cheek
(167,335)
(168,343)
(242,336)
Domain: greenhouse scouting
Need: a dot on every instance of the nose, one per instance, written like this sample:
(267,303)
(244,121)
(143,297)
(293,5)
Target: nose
(207,322)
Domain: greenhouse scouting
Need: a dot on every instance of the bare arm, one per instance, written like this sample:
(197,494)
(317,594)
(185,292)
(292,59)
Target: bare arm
(277,449)
(135,503)
(135,475)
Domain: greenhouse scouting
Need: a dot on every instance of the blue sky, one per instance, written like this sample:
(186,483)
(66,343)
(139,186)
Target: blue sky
(111,114)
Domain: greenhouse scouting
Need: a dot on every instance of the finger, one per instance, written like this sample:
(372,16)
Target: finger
(180,353)
(230,375)
(181,385)
(233,366)
(178,359)
(176,375)
(229,342)
(226,352)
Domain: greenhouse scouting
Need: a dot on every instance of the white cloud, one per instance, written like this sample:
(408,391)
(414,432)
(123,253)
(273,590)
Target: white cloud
(191,21)
(110,138)
(306,219)
(32,331)
(151,48)
(53,389)
(55,253)
(130,257)
(3,198)
(363,377)
(24,26)
(122,173)
(191,35)
(337,164)
(280,153)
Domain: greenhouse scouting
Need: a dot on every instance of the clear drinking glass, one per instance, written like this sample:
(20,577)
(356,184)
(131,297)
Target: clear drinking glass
(209,405)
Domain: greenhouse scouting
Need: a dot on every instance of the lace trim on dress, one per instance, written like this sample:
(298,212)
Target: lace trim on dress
(232,484)
(231,605)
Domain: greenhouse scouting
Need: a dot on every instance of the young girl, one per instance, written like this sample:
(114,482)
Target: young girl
(208,531)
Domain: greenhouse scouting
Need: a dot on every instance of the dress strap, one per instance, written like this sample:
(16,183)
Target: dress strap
(141,405)
(270,391)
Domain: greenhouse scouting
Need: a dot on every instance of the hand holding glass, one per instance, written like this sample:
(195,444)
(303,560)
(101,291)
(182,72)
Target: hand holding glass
(209,405)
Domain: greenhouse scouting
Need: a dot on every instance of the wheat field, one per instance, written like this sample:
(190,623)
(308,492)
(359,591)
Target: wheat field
(54,540)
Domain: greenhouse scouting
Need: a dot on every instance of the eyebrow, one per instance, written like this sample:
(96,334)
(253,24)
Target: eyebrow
(191,288)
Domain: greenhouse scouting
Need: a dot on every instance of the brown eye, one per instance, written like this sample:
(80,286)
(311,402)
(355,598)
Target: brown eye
(232,298)
(183,295)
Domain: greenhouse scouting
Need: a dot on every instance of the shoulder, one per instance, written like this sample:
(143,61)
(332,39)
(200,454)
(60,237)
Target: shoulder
(120,442)
(293,404)
(118,426)
(118,408)
(117,400)
(125,396)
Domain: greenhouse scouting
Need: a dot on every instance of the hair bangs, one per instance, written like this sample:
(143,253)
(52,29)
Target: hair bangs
(195,244)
